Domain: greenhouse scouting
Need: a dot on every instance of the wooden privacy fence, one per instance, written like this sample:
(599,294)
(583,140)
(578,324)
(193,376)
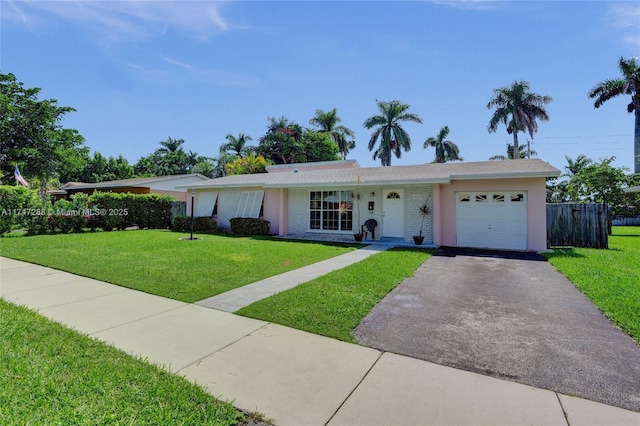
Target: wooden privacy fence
(577,225)
(178,208)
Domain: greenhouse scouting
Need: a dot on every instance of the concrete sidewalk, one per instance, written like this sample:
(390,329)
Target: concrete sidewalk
(293,377)
(238,298)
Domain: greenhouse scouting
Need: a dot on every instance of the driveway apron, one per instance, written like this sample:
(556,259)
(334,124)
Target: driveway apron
(514,319)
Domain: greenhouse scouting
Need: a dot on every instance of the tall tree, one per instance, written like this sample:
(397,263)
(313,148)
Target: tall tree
(32,136)
(282,142)
(523,152)
(393,138)
(573,167)
(629,84)
(600,183)
(445,150)
(518,109)
(327,121)
(170,159)
(99,169)
(237,145)
(249,164)
(171,145)
(286,142)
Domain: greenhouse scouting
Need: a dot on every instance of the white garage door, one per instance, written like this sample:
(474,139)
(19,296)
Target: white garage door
(495,220)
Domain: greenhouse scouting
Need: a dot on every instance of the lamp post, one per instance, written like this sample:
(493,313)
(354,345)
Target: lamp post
(193,194)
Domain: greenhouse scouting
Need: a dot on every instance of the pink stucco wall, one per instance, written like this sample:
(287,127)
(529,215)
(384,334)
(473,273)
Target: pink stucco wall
(445,217)
(272,210)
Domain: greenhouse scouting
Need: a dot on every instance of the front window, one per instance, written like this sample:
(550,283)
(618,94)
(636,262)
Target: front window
(331,210)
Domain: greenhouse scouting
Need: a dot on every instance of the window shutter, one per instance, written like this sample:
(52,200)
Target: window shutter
(206,203)
(250,204)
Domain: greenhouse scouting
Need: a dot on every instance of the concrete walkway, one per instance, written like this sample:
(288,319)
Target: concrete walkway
(236,299)
(293,377)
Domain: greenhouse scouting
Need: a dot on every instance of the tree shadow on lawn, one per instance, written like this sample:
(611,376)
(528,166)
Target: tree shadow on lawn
(563,252)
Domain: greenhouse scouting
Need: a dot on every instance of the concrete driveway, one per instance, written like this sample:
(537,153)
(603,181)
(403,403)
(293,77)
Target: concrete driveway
(509,318)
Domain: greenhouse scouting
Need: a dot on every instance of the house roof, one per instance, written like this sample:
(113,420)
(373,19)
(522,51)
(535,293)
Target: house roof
(632,189)
(339,164)
(423,173)
(142,182)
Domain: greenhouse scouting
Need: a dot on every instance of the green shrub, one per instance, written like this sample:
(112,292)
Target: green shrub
(181,224)
(70,215)
(200,224)
(22,207)
(249,226)
(119,211)
(204,224)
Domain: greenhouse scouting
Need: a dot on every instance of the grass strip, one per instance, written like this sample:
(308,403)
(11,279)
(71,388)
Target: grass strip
(50,374)
(609,278)
(334,304)
(158,262)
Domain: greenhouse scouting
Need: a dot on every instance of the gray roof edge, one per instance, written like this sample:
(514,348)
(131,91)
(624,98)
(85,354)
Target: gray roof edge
(354,184)
(313,164)
(506,175)
(139,184)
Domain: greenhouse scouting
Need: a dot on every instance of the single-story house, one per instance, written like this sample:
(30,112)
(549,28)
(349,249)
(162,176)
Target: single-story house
(163,185)
(490,204)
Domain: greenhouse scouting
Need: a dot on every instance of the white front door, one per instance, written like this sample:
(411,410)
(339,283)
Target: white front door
(393,213)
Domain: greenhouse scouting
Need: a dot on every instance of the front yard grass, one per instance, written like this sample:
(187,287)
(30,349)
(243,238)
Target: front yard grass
(51,375)
(158,262)
(609,278)
(334,304)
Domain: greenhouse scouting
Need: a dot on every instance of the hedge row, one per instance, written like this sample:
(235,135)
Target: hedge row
(200,224)
(249,226)
(122,210)
(22,208)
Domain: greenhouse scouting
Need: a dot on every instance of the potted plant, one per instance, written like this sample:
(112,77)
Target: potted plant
(424,212)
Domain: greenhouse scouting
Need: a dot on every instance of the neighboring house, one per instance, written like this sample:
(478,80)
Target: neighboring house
(163,185)
(491,204)
(632,189)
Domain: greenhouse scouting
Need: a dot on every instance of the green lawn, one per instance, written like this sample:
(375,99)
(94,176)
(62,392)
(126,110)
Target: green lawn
(334,304)
(158,262)
(610,278)
(50,375)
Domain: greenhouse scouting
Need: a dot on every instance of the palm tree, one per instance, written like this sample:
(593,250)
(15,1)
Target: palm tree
(170,145)
(393,138)
(628,85)
(238,145)
(328,122)
(573,167)
(518,109)
(524,152)
(445,150)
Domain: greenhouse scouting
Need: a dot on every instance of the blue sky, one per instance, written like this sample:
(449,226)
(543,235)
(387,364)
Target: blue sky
(138,72)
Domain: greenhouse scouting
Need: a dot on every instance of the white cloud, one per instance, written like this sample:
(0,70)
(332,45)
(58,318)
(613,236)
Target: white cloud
(626,17)
(119,20)
(176,62)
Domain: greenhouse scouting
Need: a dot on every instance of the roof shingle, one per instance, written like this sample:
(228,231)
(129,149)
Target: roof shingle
(423,173)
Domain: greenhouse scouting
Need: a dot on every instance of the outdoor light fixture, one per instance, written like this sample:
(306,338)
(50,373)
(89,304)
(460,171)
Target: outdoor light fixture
(373,194)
